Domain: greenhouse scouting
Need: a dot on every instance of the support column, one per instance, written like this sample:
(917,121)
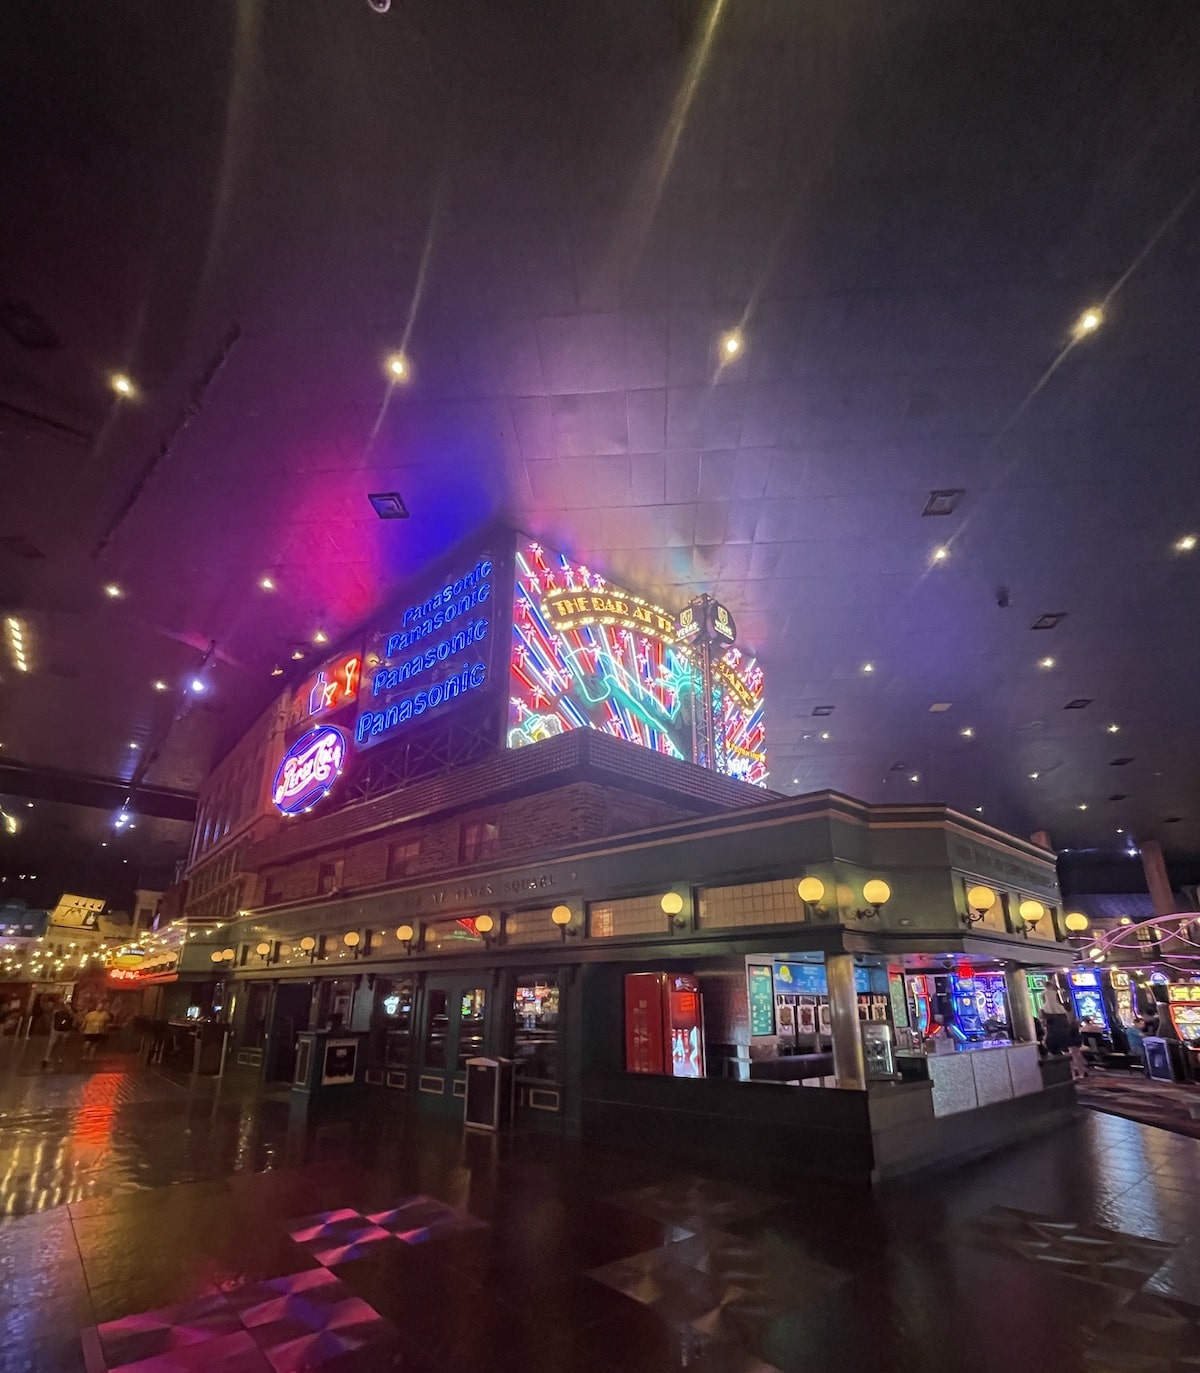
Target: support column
(1156,877)
(1020,1005)
(849,1066)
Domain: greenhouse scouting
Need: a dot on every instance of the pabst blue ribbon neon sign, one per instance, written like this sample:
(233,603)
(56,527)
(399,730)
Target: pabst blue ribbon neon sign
(309,768)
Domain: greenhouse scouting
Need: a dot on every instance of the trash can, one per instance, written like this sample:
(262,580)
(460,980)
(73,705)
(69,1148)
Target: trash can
(489,1095)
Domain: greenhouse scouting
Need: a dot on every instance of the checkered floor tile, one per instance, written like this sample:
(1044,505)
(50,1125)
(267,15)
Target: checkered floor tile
(695,1203)
(285,1324)
(334,1237)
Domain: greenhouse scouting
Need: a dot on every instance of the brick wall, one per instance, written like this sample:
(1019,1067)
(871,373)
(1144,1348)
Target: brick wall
(529,826)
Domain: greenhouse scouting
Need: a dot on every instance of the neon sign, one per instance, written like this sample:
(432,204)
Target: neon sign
(331,689)
(309,768)
(416,649)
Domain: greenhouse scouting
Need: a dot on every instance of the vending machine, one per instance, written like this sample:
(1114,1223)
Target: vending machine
(664,1024)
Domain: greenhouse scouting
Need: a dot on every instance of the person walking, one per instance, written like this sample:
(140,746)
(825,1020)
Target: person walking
(95,1027)
(62,1022)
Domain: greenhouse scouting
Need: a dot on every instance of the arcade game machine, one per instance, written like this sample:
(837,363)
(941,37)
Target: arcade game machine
(1183,1002)
(1038,983)
(664,1024)
(920,997)
(965,1022)
(992,1001)
(1123,995)
(1088,998)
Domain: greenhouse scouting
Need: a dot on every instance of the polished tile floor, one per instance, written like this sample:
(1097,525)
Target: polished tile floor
(152,1227)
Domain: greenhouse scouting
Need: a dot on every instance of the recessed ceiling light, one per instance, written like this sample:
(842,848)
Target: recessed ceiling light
(1083,805)
(732,343)
(160,685)
(941,553)
(868,667)
(197,685)
(822,710)
(967,732)
(388,505)
(296,655)
(825,734)
(277,671)
(916,777)
(320,637)
(1045,664)
(1089,321)
(795,781)
(938,707)
(397,366)
(1185,544)
(1079,703)
(121,384)
(1049,621)
(978,810)
(113,591)
(1119,830)
(133,744)
(1113,728)
(945,501)
(266,583)
(1033,776)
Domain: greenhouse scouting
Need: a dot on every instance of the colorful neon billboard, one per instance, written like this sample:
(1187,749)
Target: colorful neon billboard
(587,654)
(327,692)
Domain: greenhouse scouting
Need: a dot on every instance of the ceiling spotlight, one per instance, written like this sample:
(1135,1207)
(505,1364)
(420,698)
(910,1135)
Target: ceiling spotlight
(731,343)
(916,777)
(1033,776)
(1114,729)
(940,554)
(1185,544)
(1089,321)
(825,734)
(397,366)
(133,744)
(277,671)
(121,384)
(266,583)
(296,655)
(1083,805)
(320,637)
(197,685)
(868,667)
(967,732)
(160,685)
(113,591)
(978,810)
(1045,664)
(795,781)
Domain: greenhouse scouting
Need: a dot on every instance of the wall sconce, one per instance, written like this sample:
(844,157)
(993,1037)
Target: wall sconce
(227,956)
(1031,912)
(562,917)
(672,906)
(406,935)
(811,890)
(1076,922)
(980,900)
(267,952)
(485,925)
(308,945)
(876,893)
(355,943)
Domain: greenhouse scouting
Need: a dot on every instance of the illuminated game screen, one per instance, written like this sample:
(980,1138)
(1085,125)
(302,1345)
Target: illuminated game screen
(587,654)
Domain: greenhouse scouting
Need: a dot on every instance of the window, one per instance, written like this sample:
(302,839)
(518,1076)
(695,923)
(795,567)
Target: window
(401,858)
(329,879)
(535,1029)
(478,839)
(274,890)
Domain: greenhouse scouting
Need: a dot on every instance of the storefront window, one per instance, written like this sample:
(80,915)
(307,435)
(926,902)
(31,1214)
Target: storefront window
(393,1014)
(437,1028)
(535,1030)
(470,1026)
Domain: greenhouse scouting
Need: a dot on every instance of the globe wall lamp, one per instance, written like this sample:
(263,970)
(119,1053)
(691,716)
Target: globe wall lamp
(309,946)
(267,951)
(485,927)
(980,900)
(1031,912)
(359,946)
(562,917)
(811,890)
(223,956)
(672,908)
(1076,922)
(876,893)
(407,936)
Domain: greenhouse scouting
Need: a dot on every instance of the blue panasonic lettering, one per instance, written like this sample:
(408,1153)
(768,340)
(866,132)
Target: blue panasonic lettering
(386,678)
(373,723)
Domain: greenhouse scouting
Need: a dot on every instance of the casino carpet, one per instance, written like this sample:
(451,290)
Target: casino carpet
(1165,1104)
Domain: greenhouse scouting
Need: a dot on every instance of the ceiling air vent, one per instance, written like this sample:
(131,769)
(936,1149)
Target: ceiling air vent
(898,767)
(1119,796)
(1050,620)
(1173,819)
(1078,703)
(389,505)
(944,502)
(822,710)
(1120,762)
